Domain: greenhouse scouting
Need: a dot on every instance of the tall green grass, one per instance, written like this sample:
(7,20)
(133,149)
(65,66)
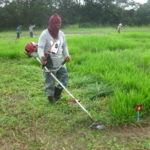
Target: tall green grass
(121,62)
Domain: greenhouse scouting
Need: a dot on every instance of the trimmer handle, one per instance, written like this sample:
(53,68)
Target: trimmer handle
(44,58)
(64,62)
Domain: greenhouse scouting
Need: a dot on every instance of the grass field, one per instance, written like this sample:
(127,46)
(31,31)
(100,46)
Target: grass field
(109,73)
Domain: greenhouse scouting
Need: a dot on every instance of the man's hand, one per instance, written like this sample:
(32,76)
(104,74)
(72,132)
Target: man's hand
(43,60)
(68,58)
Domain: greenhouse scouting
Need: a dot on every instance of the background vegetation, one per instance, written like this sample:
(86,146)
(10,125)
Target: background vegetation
(109,73)
(86,13)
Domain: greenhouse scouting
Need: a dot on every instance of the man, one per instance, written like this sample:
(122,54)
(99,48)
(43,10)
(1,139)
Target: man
(31,30)
(18,31)
(119,27)
(52,41)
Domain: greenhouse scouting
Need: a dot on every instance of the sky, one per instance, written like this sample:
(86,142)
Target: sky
(141,1)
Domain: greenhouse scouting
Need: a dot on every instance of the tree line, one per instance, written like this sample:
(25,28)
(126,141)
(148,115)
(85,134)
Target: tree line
(93,12)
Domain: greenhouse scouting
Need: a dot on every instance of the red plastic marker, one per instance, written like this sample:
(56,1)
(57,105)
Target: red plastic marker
(138,109)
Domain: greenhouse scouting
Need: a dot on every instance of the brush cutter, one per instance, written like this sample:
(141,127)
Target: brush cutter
(31,52)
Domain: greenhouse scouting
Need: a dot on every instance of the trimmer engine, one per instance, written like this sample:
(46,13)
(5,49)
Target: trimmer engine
(30,48)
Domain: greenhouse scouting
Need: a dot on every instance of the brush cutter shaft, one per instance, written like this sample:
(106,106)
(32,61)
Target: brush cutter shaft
(46,69)
(72,96)
(39,60)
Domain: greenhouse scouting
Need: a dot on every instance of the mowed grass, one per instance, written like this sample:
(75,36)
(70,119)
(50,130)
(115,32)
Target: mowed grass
(109,73)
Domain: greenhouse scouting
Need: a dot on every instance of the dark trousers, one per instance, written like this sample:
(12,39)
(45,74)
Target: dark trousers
(18,35)
(61,75)
(31,34)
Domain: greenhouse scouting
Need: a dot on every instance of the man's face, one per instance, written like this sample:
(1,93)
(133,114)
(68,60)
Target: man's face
(58,26)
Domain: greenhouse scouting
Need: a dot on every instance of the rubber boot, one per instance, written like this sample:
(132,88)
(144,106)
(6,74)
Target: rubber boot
(57,93)
(51,99)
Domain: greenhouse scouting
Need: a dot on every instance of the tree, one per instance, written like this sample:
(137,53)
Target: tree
(143,14)
(100,12)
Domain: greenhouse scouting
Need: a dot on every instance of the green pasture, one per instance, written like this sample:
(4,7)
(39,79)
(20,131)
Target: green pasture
(73,29)
(109,73)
